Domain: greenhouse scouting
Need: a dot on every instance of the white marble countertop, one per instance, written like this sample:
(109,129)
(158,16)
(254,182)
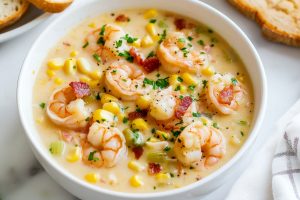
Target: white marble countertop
(21,177)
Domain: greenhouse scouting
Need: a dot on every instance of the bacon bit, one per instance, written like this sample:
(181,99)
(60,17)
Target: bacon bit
(180,24)
(138,152)
(122,18)
(135,114)
(80,89)
(183,106)
(154,168)
(151,64)
(226,95)
(137,58)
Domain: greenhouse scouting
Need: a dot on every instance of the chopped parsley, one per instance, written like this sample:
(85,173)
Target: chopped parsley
(179,79)
(98,96)
(87,119)
(102,30)
(129,39)
(97,58)
(177,88)
(200,42)
(42,105)
(101,41)
(242,133)
(159,83)
(190,38)
(119,43)
(163,36)
(153,130)
(167,148)
(210,31)
(204,83)
(176,133)
(196,114)
(126,55)
(191,87)
(234,81)
(151,54)
(125,120)
(85,45)
(215,125)
(152,21)
(91,156)
(185,51)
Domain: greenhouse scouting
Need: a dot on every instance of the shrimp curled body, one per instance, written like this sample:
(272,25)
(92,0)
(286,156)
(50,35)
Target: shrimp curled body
(125,80)
(66,110)
(176,56)
(105,146)
(199,145)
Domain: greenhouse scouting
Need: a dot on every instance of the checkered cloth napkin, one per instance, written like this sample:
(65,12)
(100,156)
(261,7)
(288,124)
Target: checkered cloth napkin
(275,171)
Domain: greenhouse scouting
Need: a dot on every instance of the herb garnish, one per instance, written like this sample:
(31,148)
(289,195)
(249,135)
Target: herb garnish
(119,43)
(91,156)
(234,81)
(163,36)
(42,105)
(159,83)
(97,58)
(196,114)
(129,39)
(126,55)
(200,42)
(85,45)
(152,21)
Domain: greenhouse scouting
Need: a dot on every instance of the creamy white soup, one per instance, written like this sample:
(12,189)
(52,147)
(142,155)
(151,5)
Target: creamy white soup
(142,101)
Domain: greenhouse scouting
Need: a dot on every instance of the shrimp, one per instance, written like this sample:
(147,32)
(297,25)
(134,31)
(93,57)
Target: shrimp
(163,104)
(104,42)
(200,146)
(125,80)
(225,93)
(105,146)
(67,109)
(176,56)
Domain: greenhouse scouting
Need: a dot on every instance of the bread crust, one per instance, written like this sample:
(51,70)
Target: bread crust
(271,31)
(15,16)
(51,5)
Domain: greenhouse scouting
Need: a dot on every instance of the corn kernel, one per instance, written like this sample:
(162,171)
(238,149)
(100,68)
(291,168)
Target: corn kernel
(56,63)
(204,120)
(183,89)
(174,80)
(70,66)
(50,73)
(208,71)
(92,25)
(93,83)
(74,53)
(136,166)
(140,124)
(143,102)
(105,98)
(162,178)
(189,79)
(147,41)
(101,115)
(92,177)
(136,181)
(136,43)
(163,135)
(58,81)
(84,66)
(235,140)
(112,107)
(150,27)
(150,13)
(74,154)
(96,74)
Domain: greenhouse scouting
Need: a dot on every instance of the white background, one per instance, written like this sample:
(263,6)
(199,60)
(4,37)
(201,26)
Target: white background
(17,163)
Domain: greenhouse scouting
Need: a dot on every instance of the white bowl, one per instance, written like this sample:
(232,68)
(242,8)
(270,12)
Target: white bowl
(191,8)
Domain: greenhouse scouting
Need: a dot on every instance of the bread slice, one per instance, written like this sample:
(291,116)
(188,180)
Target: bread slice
(52,6)
(279,19)
(11,11)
